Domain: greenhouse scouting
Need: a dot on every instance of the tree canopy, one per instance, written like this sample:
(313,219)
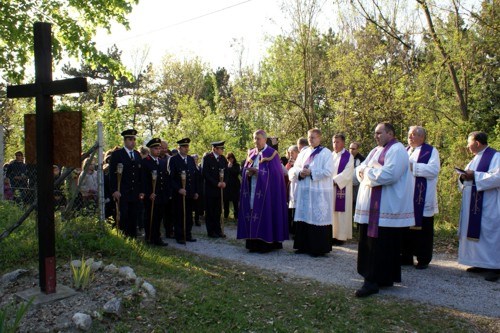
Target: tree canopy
(74,25)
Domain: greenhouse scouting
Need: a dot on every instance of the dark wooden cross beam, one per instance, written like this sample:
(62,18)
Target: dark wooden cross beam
(42,90)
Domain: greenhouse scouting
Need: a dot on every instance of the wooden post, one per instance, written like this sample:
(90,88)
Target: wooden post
(42,90)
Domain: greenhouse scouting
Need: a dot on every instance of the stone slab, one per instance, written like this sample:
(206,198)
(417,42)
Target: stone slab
(40,297)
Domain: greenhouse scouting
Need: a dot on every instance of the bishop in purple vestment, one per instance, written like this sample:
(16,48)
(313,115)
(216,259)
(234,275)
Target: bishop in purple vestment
(262,218)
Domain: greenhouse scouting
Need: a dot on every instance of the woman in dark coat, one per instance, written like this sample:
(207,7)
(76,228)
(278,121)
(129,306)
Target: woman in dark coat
(233,184)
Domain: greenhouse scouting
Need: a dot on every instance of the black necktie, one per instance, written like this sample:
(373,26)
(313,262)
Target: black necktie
(132,155)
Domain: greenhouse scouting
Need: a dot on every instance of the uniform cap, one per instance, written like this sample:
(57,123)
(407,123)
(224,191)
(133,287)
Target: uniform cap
(129,133)
(154,142)
(218,144)
(184,142)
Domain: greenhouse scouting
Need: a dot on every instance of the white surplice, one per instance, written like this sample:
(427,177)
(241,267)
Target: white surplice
(396,207)
(342,221)
(430,172)
(484,252)
(314,195)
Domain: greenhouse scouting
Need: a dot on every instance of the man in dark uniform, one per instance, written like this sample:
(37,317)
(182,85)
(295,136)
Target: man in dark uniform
(212,165)
(131,187)
(184,213)
(152,164)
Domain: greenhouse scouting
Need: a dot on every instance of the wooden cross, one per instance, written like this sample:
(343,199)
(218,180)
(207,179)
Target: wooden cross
(42,90)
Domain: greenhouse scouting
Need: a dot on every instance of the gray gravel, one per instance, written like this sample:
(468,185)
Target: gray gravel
(444,283)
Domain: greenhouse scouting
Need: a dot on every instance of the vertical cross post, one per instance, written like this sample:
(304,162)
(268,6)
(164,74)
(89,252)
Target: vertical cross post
(42,90)
(45,158)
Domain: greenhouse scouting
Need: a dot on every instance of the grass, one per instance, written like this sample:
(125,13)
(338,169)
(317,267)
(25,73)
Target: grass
(199,294)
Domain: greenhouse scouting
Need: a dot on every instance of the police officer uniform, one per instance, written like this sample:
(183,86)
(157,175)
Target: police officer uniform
(211,168)
(176,165)
(156,212)
(131,189)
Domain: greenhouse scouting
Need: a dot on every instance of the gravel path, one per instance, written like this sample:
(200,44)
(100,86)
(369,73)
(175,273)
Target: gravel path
(444,283)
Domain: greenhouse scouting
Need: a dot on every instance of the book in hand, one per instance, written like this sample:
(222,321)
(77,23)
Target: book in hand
(460,171)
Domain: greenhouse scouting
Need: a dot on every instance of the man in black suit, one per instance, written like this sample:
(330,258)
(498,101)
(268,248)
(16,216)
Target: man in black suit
(212,165)
(154,165)
(131,187)
(184,213)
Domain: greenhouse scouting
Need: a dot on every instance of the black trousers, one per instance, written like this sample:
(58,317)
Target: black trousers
(236,203)
(213,211)
(169,218)
(128,217)
(179,217)
(379,258)
(152,223)
(291,223)
(418,243)
(313,239)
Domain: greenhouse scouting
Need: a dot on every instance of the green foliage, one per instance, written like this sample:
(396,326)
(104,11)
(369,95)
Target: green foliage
(82,276)
(11,316)
(74,25)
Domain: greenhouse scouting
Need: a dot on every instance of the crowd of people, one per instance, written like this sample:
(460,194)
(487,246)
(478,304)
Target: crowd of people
(313,194)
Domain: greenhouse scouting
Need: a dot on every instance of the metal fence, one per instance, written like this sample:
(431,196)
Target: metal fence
(77,191)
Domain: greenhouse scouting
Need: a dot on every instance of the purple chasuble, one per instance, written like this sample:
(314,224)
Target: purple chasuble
(476,198)
(340,193)
(376,197)
(421,186)
(268,220)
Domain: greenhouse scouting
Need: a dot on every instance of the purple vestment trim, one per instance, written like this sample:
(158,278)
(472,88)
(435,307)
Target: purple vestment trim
(421,186)
(375,199)
(476,199)
(340,193)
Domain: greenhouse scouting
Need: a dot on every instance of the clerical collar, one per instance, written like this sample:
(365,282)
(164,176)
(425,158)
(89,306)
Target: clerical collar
(261,150)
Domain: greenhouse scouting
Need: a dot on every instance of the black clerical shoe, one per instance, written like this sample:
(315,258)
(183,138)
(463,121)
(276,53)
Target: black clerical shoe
(299,251)
(476,270)
(368,288)
(406,261)
(493,275)
(337,242)
(160,243)
(197,223)
(421,266)
(221,235)
(180,241)
(212,235)
(191,239)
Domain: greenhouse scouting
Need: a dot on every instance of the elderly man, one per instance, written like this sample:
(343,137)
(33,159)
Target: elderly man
(479,230)
(343,169)
(424,166)
(262,217)
(384,208)
(313,213)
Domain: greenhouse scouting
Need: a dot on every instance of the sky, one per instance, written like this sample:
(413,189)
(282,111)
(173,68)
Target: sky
(204,28)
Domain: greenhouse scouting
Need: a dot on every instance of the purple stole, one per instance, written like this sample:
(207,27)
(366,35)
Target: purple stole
(476,199)
(309,160)
(340,193)
(421,187)
(376,197)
